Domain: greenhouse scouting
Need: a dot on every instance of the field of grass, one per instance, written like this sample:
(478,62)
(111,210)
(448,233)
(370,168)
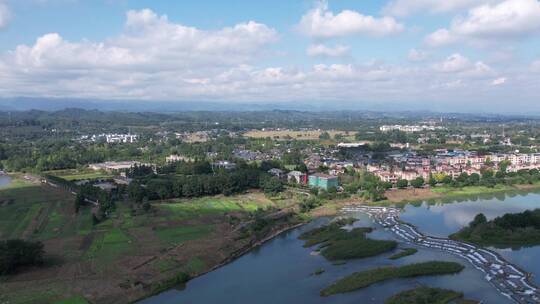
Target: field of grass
(298,135)
(106,258)
(427,295)
(364,279)
(177,235)
(472,190)
(405,252)
(181,209)
(108,246)
(74,300)
(32,210)
(72,175)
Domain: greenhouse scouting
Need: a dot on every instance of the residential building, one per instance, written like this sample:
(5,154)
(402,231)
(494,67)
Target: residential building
(323,181)
(298,177)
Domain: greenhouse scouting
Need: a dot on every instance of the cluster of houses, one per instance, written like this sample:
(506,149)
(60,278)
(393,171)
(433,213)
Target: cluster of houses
(410,166)
(409,129)
(249,155)
(115,166)
(112,138)
(316,180)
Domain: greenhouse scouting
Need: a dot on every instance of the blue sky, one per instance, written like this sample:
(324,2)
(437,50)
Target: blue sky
(474,53)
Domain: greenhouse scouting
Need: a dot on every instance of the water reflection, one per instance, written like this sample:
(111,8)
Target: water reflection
(279,272)
(4,180)
(444,217)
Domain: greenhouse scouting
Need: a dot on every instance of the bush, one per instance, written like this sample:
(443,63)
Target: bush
(402,183)
(19,253)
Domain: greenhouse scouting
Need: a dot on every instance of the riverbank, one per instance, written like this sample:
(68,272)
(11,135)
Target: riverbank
(131,255)
(171,283)
(402,197)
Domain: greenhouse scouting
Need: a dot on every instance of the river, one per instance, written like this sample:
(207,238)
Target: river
(279,271)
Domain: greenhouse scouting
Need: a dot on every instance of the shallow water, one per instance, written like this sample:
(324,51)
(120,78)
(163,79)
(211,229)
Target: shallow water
(4,180)
(279,272)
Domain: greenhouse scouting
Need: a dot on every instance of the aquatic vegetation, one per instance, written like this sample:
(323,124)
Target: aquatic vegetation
(359,280)
(405,252)
(336,243)
(425,294)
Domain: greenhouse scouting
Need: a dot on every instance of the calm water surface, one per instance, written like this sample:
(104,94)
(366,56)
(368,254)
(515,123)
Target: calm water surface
(444,218)
(4,180)
(279,272)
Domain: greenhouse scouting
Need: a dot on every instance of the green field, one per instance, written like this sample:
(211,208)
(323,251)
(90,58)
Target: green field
(33,211)
(181,209)
(472,190)
(108,246)
(189,229)
(72,175)
(177,235)
(366,278)
(74,300)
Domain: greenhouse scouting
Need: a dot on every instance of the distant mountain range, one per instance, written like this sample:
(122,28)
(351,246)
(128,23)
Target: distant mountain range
(57,104)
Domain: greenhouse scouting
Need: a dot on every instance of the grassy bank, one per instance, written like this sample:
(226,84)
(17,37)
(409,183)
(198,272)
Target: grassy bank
(405,252)
(131,254)
(364,279)
(339,244)
(428,295)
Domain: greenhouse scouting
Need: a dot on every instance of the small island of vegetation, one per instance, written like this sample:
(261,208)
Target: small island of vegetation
(519,229)
(340,244)
(424,294)
(405,252)
(366,278)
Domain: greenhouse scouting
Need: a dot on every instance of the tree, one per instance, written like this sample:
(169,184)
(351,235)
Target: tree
(324,136)
(402,183)
(503,165)
(418,182)
(480,218)
(487,173)
(272,186)
(474,179)
(79,201)
(18,253)
(447,180)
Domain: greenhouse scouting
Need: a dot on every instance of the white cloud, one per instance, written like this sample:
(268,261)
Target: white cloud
(454,63)
(510,19)
(457,63)
(322,23)
(417,55)
(149,42)
(321,50)
(157,59)
(498,81)
(441,37)
(535,66)
(5,15)
(403,8)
